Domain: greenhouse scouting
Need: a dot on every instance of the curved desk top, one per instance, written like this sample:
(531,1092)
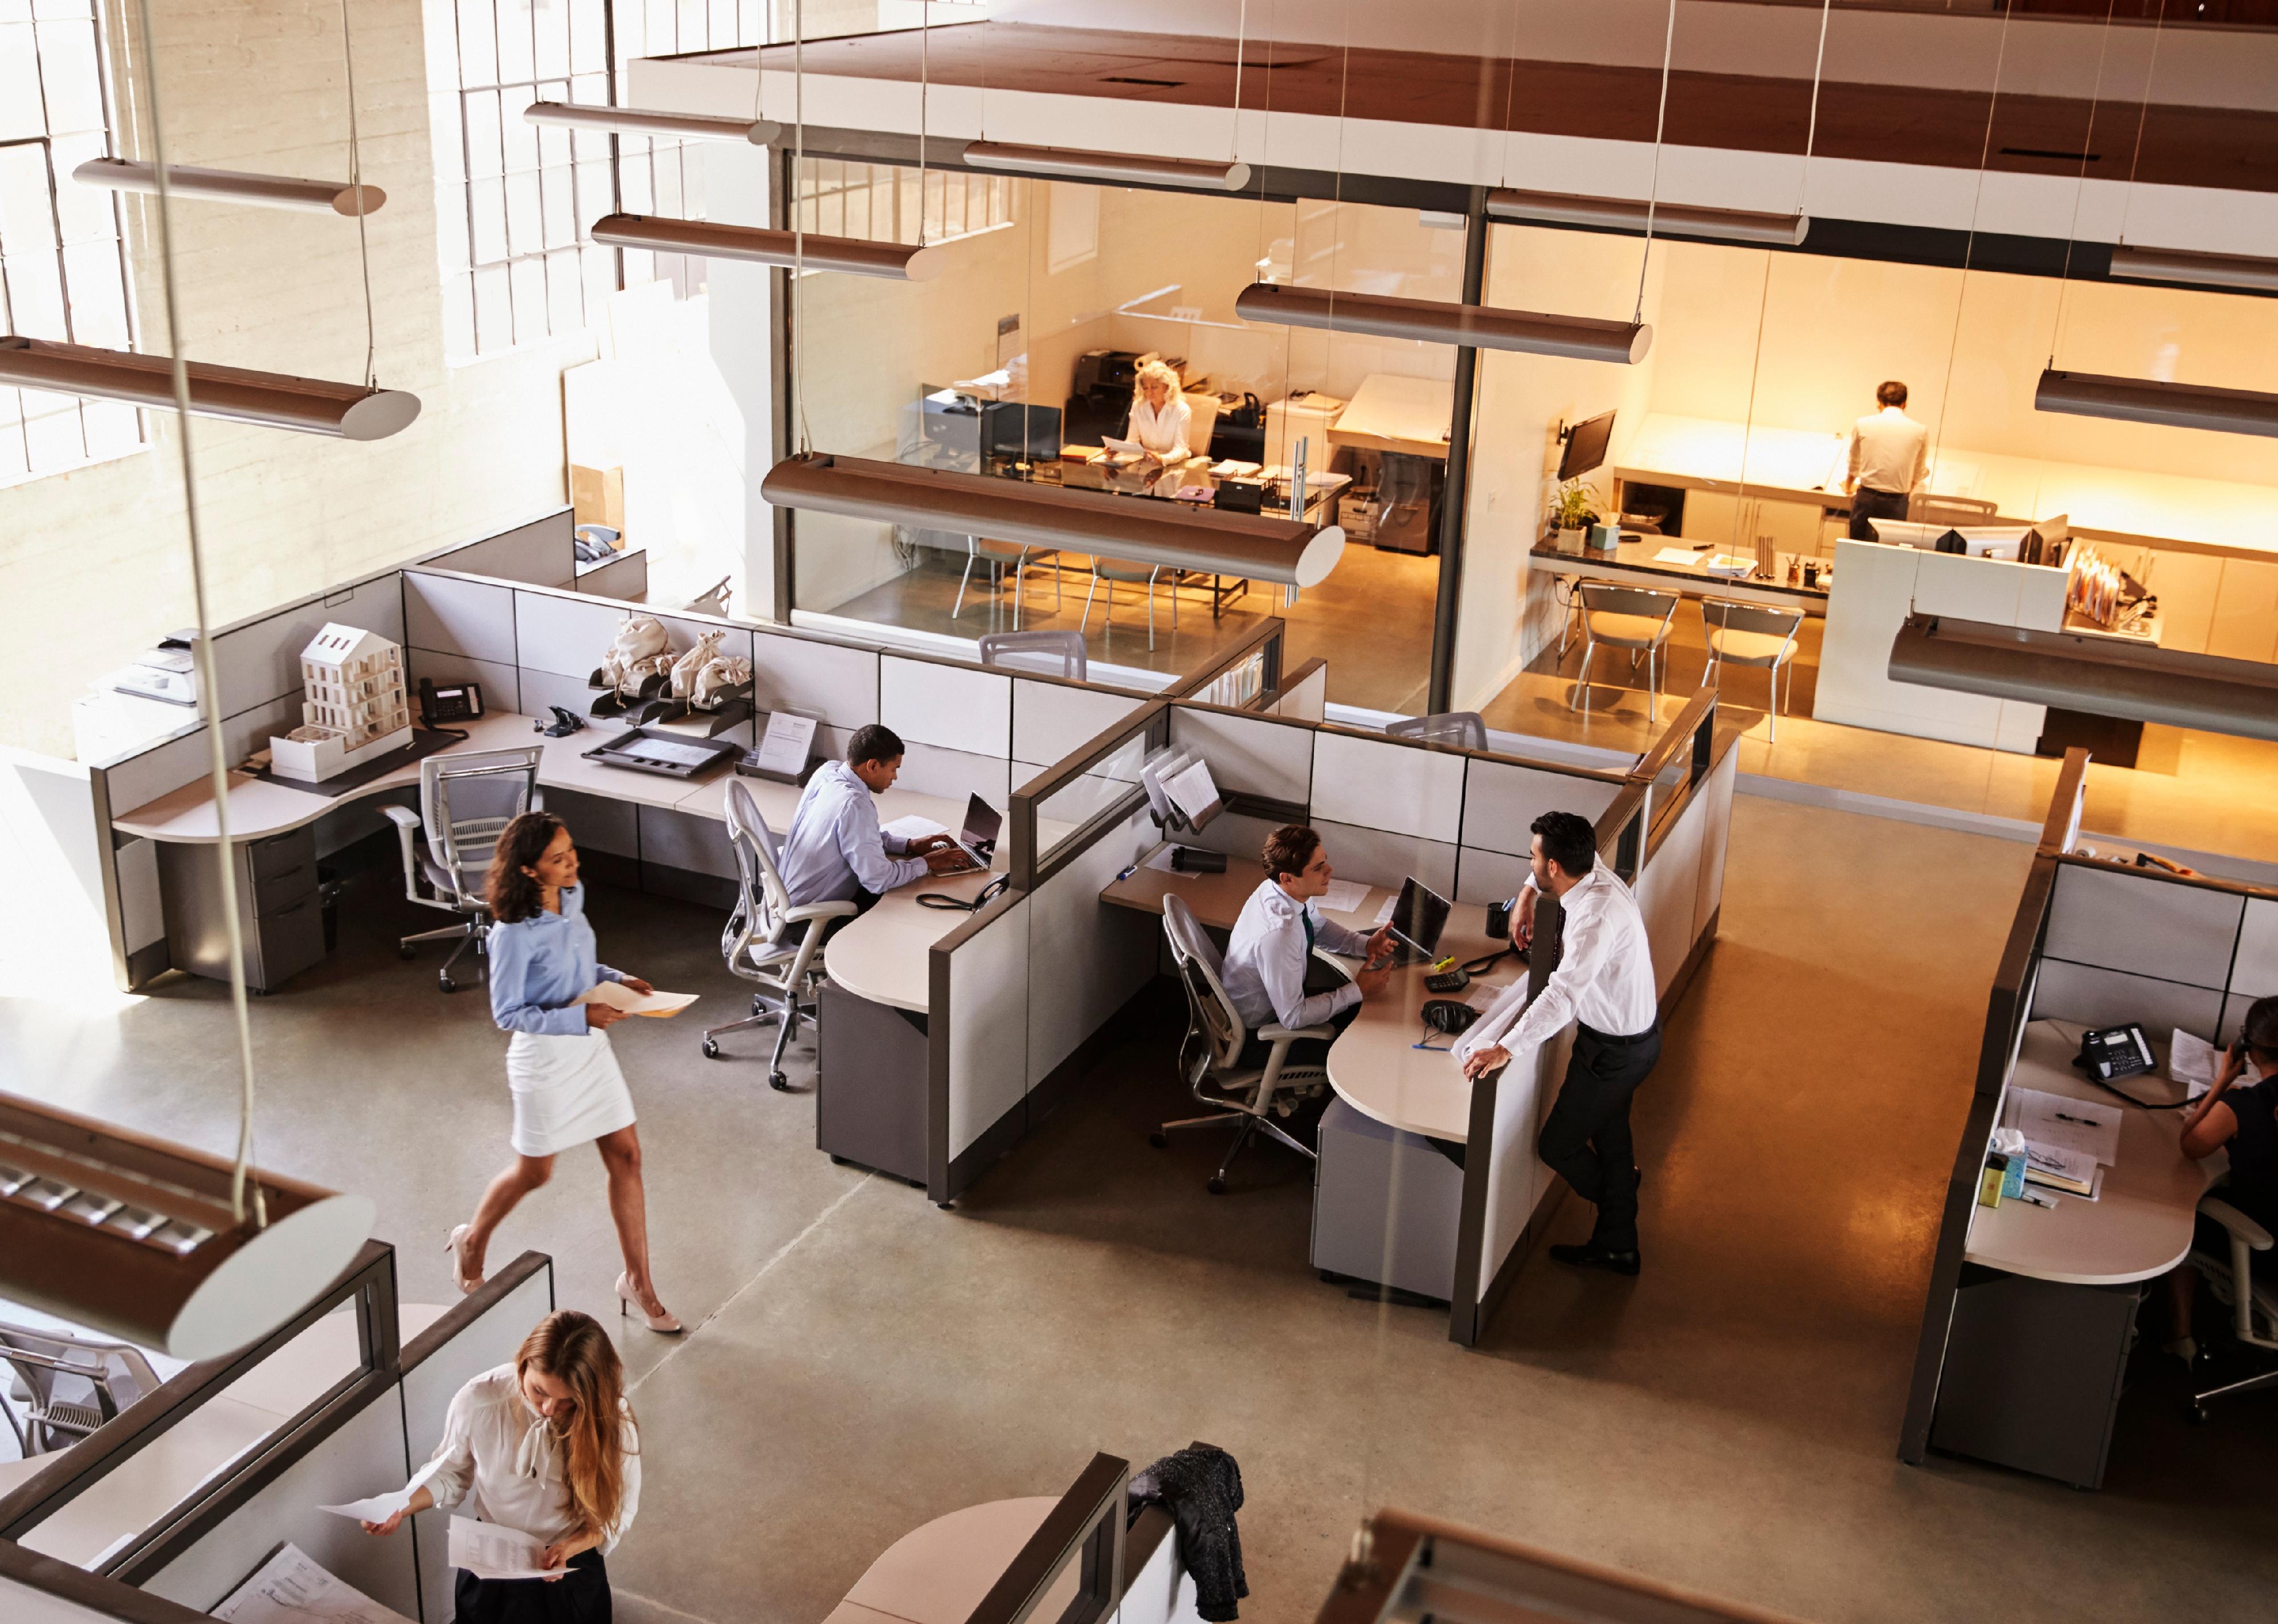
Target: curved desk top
(1374,1065)
(940,1573)
(2139,1226)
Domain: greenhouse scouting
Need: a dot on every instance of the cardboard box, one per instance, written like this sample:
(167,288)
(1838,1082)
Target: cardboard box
(1358,517)
(597,496)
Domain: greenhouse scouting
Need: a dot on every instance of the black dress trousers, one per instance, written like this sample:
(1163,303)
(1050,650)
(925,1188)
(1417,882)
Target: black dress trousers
(1868,503)
(583,1597)
(1585,1140)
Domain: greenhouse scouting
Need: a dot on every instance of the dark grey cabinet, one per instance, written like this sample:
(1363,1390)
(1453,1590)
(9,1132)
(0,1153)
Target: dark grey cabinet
(277,909)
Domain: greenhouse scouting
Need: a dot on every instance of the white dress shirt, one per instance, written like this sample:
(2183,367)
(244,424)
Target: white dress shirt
(1266,962)
(1890,452)
(1604,978)
(1163,432)
(835,848)
(502,1450)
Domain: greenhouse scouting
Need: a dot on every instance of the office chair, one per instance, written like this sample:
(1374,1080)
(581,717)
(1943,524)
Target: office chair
(1923,508)
(2253,1303)
(753,945)
(1114,570)
(1210,1055)
(67,1386)
(1466,730)
(1629,617)
(466,800)
(1065,647)
(1752,635)
(996,554)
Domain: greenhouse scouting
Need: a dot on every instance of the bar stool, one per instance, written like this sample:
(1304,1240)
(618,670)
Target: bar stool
(1752,635)
(1629,617)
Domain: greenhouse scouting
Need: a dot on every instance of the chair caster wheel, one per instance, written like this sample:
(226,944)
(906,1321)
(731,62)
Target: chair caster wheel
(406,951)
(1159,1138)
(778,1082)
(447,984)
(711,1049)
(1216,1186)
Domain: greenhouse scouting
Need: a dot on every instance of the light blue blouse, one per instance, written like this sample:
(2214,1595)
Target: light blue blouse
(539,965)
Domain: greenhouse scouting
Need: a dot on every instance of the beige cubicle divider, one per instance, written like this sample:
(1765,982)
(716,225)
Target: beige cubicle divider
(1303,695)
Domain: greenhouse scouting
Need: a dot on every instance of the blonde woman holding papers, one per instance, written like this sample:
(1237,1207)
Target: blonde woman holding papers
(1160,417)
(568,1090)
(546,1446)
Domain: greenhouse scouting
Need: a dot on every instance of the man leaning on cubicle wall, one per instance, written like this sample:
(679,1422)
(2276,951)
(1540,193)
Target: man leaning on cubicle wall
(1272,942)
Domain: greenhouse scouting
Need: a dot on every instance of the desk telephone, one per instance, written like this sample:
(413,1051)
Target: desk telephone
(459,702)
(2116,1052)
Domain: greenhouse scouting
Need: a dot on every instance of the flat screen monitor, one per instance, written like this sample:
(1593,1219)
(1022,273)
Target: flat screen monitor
(1419,917)
(1019,429)
(1585,446)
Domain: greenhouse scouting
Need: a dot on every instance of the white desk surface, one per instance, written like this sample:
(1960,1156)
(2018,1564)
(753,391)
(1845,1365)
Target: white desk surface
(1391,413)
(2117,504)
(2141,1225)
(940,1573)
(1373,1065)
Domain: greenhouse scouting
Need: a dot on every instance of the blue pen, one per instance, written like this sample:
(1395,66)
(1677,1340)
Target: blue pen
(1127,873)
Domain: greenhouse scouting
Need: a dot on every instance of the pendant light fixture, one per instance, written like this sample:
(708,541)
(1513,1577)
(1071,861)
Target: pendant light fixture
(1622,214)
(1432,321)
(1261,546)
(2154,399)
(2155,264)
(136,1237)
(857,256)
(274,400)
(634,121)
(1111,168)
(233,186)
(2104,676)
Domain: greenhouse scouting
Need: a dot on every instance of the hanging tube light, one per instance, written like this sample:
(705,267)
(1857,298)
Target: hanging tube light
(2157,264)
(233,186)
(1669,219)
(135,1236)
(274,400)
(1432,321)
(1176,535)
(857,255)
(1070,164)
(635,121)
(2106,677)
(2152,400)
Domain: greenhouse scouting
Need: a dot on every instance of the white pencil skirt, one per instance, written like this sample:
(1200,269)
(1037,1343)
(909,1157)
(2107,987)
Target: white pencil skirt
(567,1092)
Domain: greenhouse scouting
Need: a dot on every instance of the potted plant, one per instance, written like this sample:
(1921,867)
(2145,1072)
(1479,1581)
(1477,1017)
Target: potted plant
(1572,511)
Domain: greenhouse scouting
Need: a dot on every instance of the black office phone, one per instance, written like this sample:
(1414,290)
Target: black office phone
(2115,1051)
(461,701)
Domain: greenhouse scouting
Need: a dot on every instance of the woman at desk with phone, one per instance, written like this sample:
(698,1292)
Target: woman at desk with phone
(568,1090)
(546,1446)
(2240,1115)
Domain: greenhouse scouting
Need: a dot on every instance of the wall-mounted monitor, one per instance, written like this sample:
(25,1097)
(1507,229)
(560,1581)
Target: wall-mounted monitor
(1585,446)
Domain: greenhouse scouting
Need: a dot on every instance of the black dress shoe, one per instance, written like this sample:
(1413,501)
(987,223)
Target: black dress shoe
(1594,1256)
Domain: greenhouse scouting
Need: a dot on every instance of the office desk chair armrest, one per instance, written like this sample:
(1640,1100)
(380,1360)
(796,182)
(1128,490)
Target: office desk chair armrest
(1281,1037)
(2240,1227)
(407,832)
(819,910)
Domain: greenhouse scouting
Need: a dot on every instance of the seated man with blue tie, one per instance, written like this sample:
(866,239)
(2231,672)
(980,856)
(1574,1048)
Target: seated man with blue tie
(1273,940)
(835,851)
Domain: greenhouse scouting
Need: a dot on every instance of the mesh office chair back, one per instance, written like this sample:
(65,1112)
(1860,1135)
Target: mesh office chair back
(466,801)
(762,902)
(72,1385)
(782,973)
(1211,1014)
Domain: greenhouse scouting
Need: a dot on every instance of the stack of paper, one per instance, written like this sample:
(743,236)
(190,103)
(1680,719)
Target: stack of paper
(616,995)
(2069,1142)
(1343,896)
(289,1589)
(2192,1060)
(492,1550)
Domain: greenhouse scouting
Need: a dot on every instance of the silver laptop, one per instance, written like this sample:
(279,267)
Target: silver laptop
(978,842)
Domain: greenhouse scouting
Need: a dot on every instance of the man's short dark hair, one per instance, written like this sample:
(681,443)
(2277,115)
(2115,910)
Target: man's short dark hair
(1892,394)
(1288,849)
(2260,1028)
(873,743)
(1569,841)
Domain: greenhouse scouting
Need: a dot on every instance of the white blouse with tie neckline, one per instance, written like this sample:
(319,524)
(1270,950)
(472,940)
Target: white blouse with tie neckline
(496,1446)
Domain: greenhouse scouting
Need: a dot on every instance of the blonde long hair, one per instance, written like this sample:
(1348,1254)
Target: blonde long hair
(1155,371)
(574,1349)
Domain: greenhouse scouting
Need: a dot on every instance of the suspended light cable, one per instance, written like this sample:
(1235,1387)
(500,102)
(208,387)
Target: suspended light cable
(797,215)
(2142,116)
(1811,127)
(355,185)
(2080,185)
(1653,192)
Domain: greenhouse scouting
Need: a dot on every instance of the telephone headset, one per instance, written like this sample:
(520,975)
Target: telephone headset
(989,893)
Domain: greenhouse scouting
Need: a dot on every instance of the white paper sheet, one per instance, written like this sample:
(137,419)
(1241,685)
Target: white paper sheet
(1677,554)
(290,1589)
(912,828)
(492,1550)
(378,1508)
(2192,1060)
(789,741)
(665,752)
(2061,1122)
(1160,858)
(616,995)
(1482,997)
(1190,789)
(2054,1161)
(1384,913)
(1343,896)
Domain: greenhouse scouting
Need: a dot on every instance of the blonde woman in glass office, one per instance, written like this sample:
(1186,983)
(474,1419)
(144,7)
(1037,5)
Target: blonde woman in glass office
(568,1090)
(547,1445)
(1160,417)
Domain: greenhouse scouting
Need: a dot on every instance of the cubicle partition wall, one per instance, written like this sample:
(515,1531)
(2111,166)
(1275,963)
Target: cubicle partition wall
(187,1494)
(1303,695)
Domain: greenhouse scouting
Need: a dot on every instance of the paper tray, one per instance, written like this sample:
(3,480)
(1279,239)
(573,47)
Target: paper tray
(618,752)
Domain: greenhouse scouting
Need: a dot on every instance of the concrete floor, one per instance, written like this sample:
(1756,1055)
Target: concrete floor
(862,1362)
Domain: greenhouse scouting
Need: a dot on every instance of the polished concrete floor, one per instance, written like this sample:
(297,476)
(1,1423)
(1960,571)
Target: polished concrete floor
(861,1361)
(1371,619)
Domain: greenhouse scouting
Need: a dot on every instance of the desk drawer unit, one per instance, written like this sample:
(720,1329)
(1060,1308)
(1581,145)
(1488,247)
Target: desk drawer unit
(1353,1186)
(2032,1373)
(278,912)
(872,1067)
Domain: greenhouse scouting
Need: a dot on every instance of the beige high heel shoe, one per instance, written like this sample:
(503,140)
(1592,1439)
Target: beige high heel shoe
(466,1282)
(664,1324)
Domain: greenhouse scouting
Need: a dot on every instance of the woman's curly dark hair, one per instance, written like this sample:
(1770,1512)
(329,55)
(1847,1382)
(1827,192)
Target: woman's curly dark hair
(512,895)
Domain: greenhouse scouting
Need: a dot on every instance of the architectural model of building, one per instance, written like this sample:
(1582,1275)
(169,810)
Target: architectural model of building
(353,707)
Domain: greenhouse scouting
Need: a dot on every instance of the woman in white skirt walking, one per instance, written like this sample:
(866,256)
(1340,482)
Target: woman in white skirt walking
(567,1088)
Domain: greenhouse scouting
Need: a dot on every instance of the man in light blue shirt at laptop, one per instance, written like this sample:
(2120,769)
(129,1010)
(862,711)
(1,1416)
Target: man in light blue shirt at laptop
(835,851)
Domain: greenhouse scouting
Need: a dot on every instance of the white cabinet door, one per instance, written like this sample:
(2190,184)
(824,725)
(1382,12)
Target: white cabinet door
(2246,626)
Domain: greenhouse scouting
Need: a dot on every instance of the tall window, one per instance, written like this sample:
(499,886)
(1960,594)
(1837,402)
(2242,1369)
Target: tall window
(880,201)
(513,201)
(63,268)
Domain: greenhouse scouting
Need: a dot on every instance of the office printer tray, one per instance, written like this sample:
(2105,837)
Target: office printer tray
(610,752)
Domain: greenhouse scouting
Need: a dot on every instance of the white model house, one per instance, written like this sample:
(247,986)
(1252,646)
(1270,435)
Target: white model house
(354,705)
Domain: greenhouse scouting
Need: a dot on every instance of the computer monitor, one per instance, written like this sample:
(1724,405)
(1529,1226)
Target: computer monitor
(1020,429)
(1585,446)
(1417,917)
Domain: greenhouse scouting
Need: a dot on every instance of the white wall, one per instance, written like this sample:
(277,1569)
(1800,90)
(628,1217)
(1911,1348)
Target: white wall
(95,563)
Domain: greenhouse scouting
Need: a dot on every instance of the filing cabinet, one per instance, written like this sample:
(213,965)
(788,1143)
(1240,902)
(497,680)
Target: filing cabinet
(277,909)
